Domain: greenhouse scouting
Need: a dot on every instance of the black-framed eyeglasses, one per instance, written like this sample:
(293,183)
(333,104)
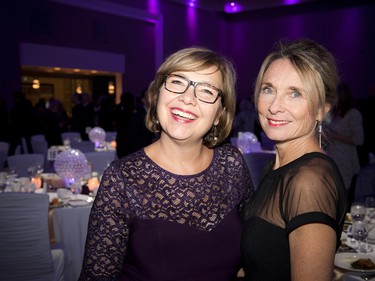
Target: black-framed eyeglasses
(202,91)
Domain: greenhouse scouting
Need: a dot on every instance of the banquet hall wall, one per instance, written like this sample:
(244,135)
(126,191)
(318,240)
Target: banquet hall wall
(345,27)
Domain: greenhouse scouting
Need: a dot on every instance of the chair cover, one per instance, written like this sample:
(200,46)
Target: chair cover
(38,137)
(71,136)
(22,162)
(83,146)
(256,162)
(110,136)
(40,146)
(25,251)
(25,149)
(100,160)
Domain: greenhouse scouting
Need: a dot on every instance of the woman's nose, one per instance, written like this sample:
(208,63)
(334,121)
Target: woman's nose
(188,96)
(276,105)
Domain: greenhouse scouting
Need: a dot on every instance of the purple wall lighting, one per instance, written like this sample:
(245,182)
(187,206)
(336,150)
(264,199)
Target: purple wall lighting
(192,3)
(232,7)
(291,2)
(153,6)
(191,24)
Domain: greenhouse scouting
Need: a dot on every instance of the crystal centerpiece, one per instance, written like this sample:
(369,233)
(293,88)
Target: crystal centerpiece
(71,165)
(97,136)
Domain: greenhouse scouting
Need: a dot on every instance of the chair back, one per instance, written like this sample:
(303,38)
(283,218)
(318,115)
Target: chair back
(38,137)
(4,151)
(110,136)
(83,146)
(18,150)
(100,160)
(25,251)
(25,149)
(257,162)
(23,162)
(40,146)
(71,136)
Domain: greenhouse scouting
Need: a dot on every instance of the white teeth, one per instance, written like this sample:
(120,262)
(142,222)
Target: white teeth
(277,122)
(183,114)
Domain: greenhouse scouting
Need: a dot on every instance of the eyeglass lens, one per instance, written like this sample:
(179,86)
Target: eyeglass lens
(203,91)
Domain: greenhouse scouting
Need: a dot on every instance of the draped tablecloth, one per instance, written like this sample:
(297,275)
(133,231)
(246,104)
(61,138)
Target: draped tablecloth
(70,229)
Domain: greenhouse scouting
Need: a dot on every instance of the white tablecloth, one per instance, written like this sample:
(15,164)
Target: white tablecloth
(70,228)
(344,275)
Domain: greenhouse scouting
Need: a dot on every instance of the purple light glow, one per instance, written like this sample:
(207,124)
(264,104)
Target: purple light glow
(232,7)
(153,6)
(191,23)
(192,3)
(291,2)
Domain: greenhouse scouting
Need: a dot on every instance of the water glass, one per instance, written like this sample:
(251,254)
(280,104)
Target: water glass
(360,231)
(358,211)
(370,207)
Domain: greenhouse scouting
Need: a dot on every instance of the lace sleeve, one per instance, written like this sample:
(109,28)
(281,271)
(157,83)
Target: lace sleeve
(107,230)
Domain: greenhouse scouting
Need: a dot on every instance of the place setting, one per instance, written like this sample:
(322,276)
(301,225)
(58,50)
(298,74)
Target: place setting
(356,256)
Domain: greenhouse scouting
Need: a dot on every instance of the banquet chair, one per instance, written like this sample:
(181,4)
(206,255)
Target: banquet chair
(18,150)
(83,146)
(257,162)
(110,136)
(4,151)
(21,163)
(71,136)
(25,149)
(40,146)
(38,137)
(25,249)
(100,160)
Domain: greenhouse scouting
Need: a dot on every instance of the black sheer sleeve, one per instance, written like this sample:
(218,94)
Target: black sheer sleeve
(309,189)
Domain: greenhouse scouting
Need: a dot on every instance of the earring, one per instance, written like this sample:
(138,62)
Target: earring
(320,134)
(214,133)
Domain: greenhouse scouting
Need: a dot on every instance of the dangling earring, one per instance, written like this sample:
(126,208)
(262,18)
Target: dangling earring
(320,134)
(214,133)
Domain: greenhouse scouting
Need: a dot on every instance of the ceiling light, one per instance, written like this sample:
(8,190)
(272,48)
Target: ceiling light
(36,83)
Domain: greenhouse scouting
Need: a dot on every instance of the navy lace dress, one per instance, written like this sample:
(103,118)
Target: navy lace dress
(149,224)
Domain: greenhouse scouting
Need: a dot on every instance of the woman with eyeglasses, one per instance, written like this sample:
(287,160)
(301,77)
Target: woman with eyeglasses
(170,211)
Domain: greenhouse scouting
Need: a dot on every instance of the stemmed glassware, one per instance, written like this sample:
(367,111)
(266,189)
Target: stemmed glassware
(360,229)
(358,211)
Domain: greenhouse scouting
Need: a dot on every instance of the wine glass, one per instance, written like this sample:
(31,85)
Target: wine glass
(360,232)
(370,207)
(358,211)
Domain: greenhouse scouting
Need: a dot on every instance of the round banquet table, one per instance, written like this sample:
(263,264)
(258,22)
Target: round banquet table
(70,229)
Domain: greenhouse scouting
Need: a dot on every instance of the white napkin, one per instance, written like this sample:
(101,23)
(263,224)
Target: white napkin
(78,203)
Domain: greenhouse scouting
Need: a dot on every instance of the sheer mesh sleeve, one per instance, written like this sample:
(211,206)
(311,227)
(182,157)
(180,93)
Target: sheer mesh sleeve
(314,193)
(310,188)
(310,185)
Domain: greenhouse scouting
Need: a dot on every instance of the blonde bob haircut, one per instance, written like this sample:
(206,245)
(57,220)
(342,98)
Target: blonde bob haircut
(316,67)
(196,59)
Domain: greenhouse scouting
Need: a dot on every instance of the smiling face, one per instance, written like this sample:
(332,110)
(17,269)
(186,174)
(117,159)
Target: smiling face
(283,106)
(182,116)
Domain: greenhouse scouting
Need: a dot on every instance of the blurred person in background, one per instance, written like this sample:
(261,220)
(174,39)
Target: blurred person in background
(345,133)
